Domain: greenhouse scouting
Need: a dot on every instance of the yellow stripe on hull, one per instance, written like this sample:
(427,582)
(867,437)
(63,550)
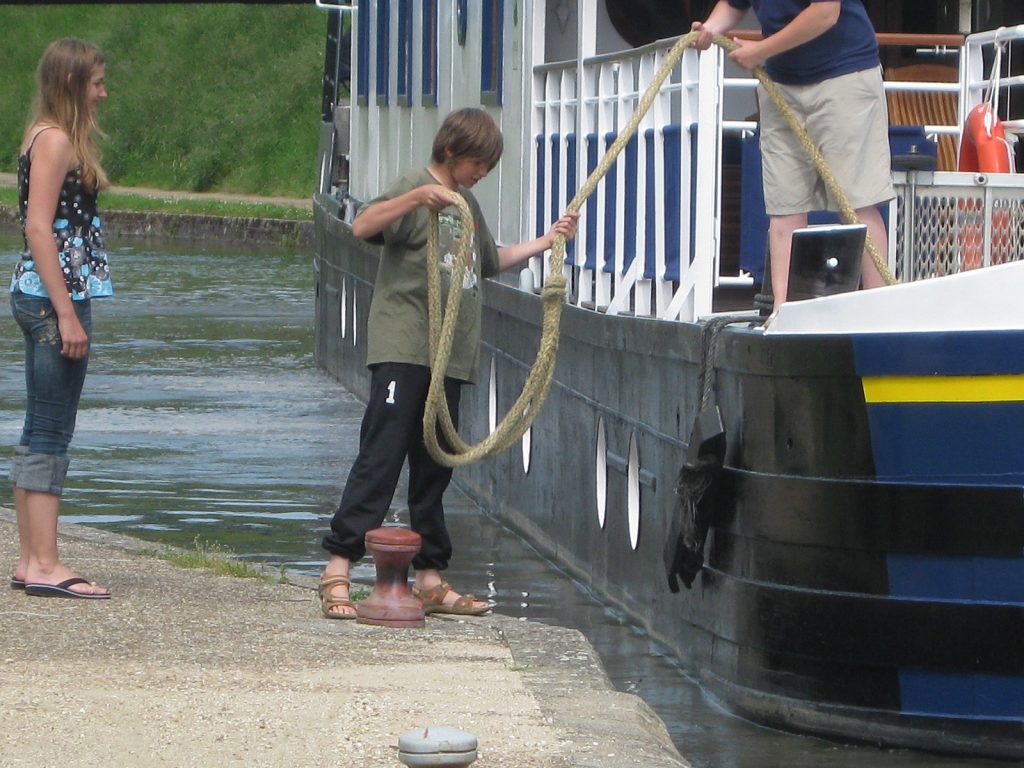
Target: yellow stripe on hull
(943,389)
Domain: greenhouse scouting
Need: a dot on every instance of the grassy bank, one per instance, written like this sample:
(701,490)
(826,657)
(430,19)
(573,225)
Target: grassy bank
(111,201)
(203,97)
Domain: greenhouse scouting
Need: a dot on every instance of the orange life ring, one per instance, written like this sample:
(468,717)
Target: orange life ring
(983,149)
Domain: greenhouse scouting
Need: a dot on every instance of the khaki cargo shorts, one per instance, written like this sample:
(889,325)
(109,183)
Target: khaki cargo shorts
(848,120)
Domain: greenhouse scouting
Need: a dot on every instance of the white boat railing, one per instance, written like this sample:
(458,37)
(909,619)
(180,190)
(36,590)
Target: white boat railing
(953,222)
(647,244)
(650,236)
(976,67)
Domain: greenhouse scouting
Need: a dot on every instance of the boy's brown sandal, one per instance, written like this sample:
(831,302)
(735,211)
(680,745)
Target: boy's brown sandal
(433,601)
(329,601)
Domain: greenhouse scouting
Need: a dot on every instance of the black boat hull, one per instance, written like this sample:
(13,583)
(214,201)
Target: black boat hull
(836,598)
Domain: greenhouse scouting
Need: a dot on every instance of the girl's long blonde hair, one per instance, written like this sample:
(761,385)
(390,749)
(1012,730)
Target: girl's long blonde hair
(63,78)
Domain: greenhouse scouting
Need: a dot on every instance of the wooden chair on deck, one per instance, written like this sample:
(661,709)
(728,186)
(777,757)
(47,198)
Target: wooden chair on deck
(919,108)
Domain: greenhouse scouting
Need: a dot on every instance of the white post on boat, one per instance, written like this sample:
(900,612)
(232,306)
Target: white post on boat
(973,78)
(626,93)
(709,162)
(605,123)
(660,116)
(693,298)
(533,128)
(587,119)
(586,48)
(641,286)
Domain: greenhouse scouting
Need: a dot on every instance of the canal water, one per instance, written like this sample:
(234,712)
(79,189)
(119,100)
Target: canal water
(205,420)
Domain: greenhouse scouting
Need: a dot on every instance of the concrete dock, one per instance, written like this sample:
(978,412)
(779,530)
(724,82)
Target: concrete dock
(187,668)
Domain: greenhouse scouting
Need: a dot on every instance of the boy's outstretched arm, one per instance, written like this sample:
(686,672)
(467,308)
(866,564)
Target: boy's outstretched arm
(376,217)
(510,255)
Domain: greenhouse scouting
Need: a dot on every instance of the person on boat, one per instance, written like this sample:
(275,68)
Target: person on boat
(465,149)
(823,55)
(62,268)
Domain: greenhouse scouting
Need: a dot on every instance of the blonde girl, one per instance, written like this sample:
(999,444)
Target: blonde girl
(63,267)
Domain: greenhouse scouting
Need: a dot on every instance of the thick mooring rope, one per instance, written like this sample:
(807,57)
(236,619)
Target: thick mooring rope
(442,332)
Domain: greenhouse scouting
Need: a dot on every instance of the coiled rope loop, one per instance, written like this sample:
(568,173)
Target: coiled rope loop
(442,331)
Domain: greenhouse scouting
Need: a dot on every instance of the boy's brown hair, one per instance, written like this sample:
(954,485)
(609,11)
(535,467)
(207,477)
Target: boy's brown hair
(468,133)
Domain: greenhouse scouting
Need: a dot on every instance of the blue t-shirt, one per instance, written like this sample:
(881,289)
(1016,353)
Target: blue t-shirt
(849,46)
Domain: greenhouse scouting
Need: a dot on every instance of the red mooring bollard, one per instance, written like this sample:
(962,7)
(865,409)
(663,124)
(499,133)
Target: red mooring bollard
(391,604)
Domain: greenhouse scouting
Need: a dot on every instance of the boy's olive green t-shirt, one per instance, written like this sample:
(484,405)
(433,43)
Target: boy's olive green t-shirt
(398,329)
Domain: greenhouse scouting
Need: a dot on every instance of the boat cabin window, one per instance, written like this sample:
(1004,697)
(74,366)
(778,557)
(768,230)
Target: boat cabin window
(404,85)
(383,52)
(363,66)
(429,68)
(493,21)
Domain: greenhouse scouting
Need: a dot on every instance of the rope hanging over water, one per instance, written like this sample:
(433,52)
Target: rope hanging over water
(526,407)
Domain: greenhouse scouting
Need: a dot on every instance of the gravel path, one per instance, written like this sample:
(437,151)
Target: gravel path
(185,668)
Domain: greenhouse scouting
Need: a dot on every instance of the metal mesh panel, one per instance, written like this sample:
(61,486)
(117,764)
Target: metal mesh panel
(955,222)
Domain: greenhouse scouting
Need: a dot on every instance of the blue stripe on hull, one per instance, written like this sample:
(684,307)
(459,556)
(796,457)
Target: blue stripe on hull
(962,443)
(969,696)
(958,443)
(967,579)
(951,354)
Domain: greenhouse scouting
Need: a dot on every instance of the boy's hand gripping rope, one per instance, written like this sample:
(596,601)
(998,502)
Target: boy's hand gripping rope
(442,332)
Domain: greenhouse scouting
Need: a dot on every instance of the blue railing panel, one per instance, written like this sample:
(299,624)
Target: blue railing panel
(540,186)
(673,142)
(591,206)
(630,200)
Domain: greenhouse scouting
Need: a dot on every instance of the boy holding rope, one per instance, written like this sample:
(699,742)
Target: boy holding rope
(465,149)
(823,55)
